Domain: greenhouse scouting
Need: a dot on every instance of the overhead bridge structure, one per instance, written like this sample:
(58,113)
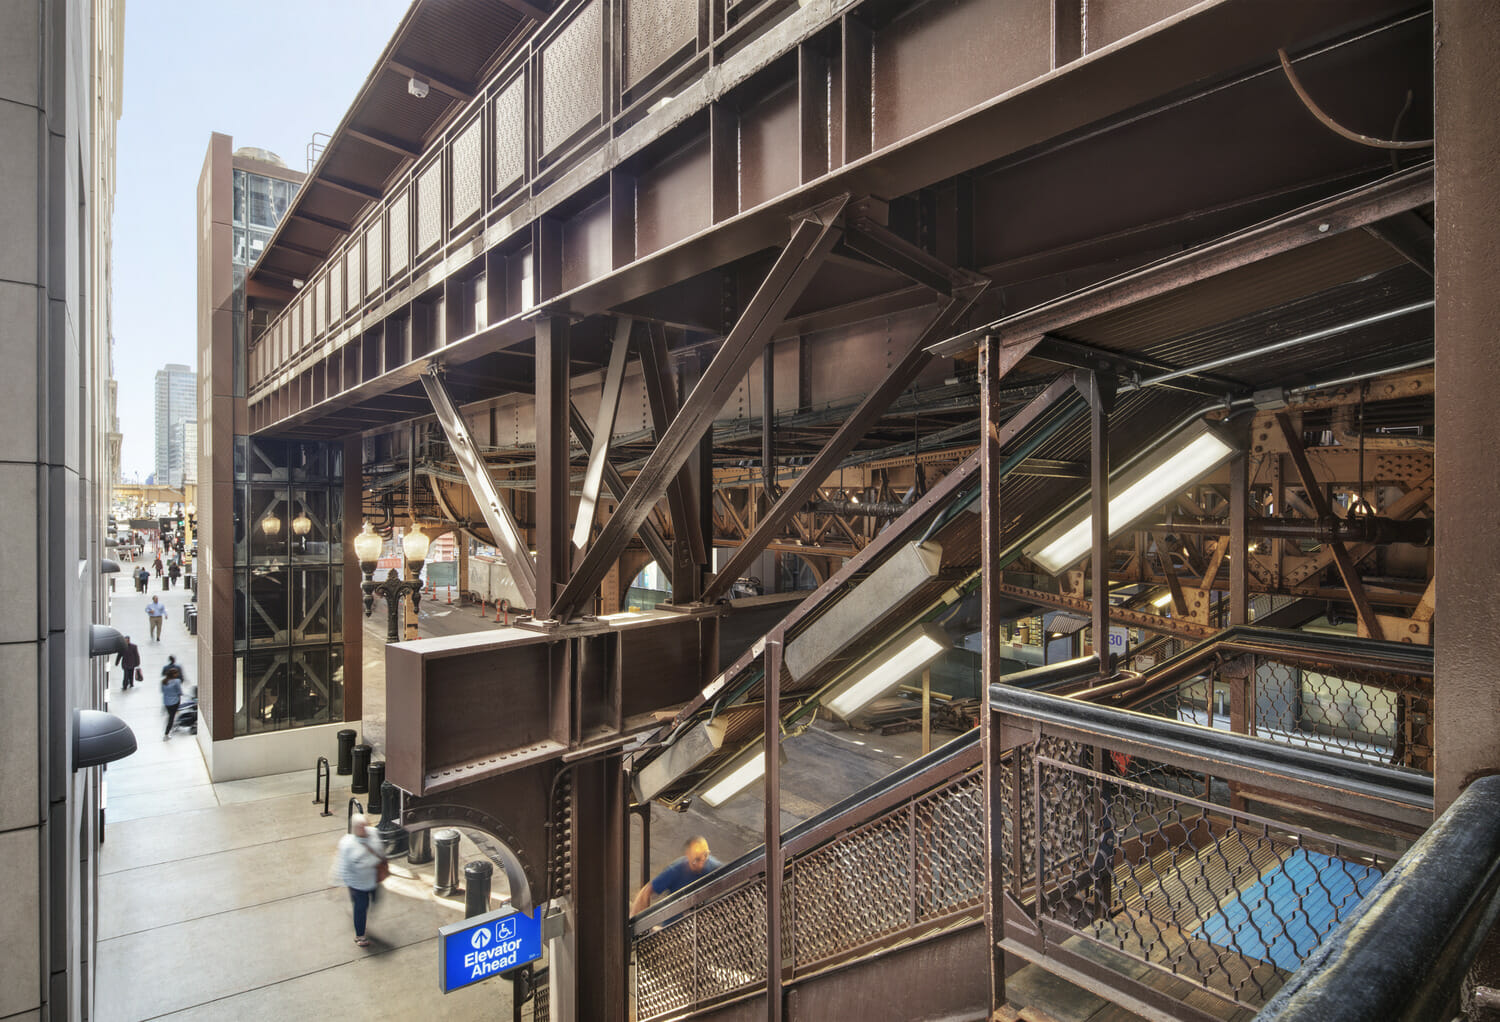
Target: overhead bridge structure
(1101,357)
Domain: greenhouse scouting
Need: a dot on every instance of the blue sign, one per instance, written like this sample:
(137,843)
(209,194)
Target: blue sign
(484,946)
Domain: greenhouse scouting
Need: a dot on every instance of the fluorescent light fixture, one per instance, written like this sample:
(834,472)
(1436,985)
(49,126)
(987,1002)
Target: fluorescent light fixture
(1162,600)
(738,774)
(912,651)
(690,748)
(1196,452)
(859,610)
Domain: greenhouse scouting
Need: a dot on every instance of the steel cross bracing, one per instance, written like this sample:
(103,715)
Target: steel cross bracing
(497,515)
(813,237)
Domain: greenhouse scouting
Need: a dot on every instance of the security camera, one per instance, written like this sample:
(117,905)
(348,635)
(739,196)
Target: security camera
(417,87)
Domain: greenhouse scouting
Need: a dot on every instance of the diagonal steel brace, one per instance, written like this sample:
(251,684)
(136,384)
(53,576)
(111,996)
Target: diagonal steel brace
(813,237)
(875,404)
(496,515)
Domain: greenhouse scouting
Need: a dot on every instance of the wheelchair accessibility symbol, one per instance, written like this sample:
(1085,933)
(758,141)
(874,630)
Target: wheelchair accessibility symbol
(505,929)
(480,939)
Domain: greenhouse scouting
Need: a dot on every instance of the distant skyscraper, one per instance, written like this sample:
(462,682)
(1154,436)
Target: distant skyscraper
(183,460)
(176,402)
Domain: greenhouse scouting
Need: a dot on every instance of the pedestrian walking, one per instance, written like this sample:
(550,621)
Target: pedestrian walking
(359,864)
(142,577)
(129,659)
(156,566)
(174,572)
(156,613)
(171,698)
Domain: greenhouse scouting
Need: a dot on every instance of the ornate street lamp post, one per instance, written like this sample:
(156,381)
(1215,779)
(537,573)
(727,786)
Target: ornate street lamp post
(367,546)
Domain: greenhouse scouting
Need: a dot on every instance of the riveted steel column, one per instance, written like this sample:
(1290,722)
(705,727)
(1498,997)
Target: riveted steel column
(774,864)
(553,550)
(991,651)
(1239,551)
(1101,394)
(1467,64)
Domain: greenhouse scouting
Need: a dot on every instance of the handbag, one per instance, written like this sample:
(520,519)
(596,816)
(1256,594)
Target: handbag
(382,870)
(138,675)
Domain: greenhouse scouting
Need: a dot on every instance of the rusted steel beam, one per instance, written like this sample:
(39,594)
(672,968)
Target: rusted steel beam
(1164,558)
(1355,208)
(1135,618)
(497,516)
(1100,392)
(604,427)
(842,442)
(553,551)
(614,482)
(813,237)
(661,397)
(1341,558)
(381,140)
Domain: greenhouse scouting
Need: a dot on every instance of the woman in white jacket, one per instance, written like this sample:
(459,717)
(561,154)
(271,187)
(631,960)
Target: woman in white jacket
(356,865)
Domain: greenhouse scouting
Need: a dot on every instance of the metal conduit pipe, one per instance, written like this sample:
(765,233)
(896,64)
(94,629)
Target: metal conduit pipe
(1356,529)
(1403,953)
(870,509)
(1291,342)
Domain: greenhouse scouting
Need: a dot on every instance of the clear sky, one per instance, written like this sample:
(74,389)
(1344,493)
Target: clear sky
(269,74)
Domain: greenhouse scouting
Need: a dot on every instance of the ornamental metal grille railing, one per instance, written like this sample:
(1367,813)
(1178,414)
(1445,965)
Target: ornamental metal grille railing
(1355,708)
(907,870)
(1131,864)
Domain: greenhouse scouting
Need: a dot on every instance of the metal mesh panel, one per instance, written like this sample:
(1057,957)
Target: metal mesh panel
(654,30)
(430,207)
(572,83)
(335,290)
(950,849)
(510,135)
(854,890)
(665,968)
(467,172)
(320,306)
(1226,900)
(352,290)
(374,272)
(732,942)
(1348,711)
(400,233)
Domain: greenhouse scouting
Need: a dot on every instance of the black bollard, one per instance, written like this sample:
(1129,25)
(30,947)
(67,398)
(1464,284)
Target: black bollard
(419,846)
(392,834)
(445,880)
(361,782)
(477,887)
(346,751)
(375,777)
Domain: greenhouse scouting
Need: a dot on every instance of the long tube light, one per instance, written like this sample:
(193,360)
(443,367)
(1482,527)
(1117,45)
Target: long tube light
(1199,450)
(914,650)
(743,770)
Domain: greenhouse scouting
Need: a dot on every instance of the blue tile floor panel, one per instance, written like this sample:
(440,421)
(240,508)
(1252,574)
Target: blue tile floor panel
(1286,914)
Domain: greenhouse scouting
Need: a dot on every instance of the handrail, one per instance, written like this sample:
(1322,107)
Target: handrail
(1347,651)
(940,765)
(1402,794)
(1403,953)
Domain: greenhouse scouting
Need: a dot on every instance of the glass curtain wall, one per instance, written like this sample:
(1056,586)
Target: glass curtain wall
(288,555)
(288,542)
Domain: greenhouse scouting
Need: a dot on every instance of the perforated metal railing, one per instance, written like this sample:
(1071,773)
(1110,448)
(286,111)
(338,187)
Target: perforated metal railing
(1129,866)
(874,875)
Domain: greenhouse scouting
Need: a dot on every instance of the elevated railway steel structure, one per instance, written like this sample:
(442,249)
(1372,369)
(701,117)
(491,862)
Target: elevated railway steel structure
(636,280)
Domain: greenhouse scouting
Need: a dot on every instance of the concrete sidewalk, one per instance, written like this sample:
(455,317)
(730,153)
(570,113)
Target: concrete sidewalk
(215,900)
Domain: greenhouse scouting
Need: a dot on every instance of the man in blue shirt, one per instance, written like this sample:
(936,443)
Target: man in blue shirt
(695,862)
